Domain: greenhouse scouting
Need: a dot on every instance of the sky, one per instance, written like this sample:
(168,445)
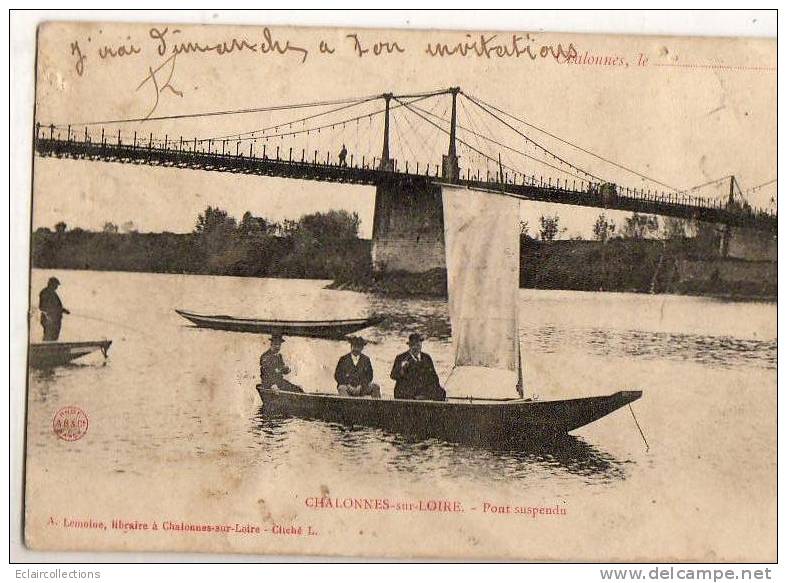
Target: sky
(273,198)
(681,125)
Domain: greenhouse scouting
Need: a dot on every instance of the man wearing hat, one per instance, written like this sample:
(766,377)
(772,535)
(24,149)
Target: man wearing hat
(415,375)
(354,372)
(52,310)
(273,369)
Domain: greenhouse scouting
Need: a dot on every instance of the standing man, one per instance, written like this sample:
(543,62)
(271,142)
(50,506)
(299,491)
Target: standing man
(343,156)
(354,373)
(273,369)
(52,310)
(415,375)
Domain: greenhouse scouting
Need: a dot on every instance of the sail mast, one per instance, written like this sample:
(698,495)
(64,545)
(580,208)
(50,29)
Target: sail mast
(520,384)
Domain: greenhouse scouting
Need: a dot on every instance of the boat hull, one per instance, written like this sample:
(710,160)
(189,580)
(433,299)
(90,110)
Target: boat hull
(52,354)
(483,422)
(332,329)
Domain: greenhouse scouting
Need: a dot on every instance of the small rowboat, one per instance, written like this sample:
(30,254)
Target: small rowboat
(334,329)
(51,354)
(483,422)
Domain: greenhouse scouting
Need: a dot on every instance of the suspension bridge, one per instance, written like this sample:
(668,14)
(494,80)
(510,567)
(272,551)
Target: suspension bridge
(406,145)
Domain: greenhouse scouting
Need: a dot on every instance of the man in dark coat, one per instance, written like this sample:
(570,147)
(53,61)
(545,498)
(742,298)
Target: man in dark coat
(273,369)
(343,156)
(52,310)
(415,375)
(354,373)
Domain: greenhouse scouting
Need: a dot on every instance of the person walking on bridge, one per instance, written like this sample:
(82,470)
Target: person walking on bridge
(343,156)
(52,310)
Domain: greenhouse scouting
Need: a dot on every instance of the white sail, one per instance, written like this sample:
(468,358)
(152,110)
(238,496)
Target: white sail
(482,258)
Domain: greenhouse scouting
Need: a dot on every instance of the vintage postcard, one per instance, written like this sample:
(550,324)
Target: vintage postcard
(402,294)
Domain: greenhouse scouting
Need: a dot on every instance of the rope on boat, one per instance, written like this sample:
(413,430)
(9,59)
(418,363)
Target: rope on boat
(647,447)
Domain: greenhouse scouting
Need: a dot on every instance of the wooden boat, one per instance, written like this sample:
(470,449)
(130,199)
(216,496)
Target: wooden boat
(504,422)
(52,354)
(334,329)
(483,282)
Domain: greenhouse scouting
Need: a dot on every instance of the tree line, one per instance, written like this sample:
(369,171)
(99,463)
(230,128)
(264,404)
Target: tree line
(635,227)
(642,254)
(318,245)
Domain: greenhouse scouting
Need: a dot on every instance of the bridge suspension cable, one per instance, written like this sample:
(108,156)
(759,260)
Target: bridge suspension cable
(447,132)
(759,186)
(514,150)
(226,112)
(704,184)
(428,143)
(529,139)
(480,103)
(342,107)
(300,120)
(479,152)
(312,129)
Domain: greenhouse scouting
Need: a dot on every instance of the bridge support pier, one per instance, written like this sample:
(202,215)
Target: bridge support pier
(407,235)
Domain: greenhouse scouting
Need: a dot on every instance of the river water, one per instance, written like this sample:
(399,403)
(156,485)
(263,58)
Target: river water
(176,431)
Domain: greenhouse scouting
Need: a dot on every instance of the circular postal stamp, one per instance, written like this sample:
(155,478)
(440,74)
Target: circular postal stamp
(70,423)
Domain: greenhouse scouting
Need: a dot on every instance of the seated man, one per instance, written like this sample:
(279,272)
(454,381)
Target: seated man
(354,372)
(415,375)
(273,369)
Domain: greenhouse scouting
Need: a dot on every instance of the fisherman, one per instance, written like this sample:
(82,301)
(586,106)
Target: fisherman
(52,310)
(415,375)
(273,369)
(354,373)
(343,156)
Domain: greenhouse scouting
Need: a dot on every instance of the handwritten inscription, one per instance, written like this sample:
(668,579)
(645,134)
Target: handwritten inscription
(122,50)
(168,44)
(377,48)
(79,65)
(158,88)
(167,41)
(488,46)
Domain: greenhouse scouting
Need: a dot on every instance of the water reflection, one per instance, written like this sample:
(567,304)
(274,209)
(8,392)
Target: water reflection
(718,351)
(379,451)
(430,317)
(170,395)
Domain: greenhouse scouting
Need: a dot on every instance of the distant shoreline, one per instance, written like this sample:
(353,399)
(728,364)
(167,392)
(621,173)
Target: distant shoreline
(326,246)
(380,288)
(385,286)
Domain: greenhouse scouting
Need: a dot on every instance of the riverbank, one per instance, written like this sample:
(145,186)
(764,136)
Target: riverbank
(640,266)
(299,255)
(619,265)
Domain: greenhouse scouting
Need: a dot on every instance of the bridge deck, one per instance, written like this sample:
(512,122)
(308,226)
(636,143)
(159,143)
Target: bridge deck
(175,157)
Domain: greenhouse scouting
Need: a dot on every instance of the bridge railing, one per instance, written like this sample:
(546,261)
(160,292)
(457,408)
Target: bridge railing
(215,154)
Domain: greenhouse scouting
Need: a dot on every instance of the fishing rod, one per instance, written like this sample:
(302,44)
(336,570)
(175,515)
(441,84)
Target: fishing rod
(110,322)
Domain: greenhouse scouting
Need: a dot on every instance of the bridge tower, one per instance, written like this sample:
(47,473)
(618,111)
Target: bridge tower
(726,234)
(746,243)
(407,234)
(385,159)
(451,160)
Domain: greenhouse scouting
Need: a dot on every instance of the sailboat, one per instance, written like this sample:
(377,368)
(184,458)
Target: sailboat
(486,401)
